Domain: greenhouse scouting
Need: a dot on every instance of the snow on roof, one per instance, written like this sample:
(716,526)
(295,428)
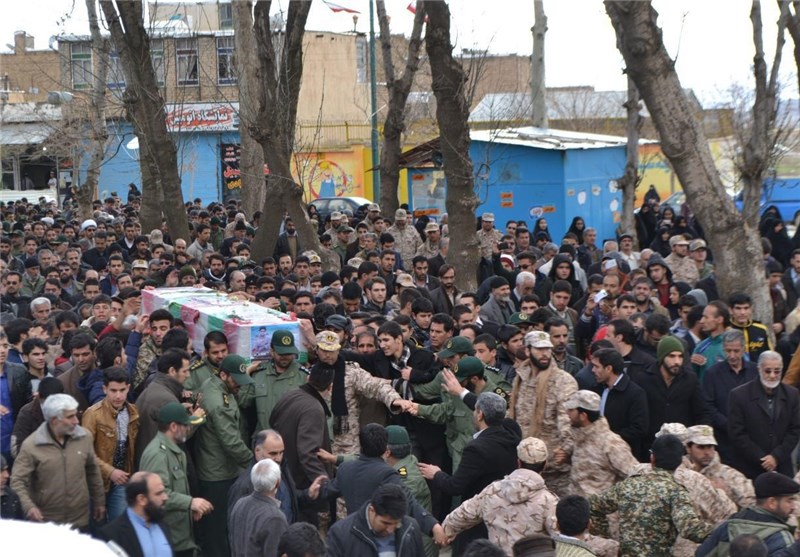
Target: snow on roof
(542,138)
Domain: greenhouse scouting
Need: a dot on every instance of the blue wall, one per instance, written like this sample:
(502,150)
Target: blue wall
(198,162)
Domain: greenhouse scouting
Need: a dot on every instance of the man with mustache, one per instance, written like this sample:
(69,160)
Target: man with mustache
(764,421)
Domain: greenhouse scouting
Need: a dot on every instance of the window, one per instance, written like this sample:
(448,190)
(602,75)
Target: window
(186,54)
(115,77)
(81,62)
(226,64)
(361,59)
(157,57)
(225,16)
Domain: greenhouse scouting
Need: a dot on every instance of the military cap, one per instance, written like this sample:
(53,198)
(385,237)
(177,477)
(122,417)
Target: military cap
(678,239)
(519,318)
(456,345)
(467,367)
(235,366)
(586,400)
(336,215)
(373,207)
(677,429)
(400,214)
(538,339)
(177,412)
(532,450)
(328,341)
(701,435)
(398,435)
(282,342)
(404,280)
(139,264)
(431,227)
(697,244)
(488,217)
(344,229)
(187,270)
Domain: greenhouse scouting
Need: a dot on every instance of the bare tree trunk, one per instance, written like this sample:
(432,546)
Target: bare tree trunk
(248,78)
(452,111)
(630,179)
(145,110)
(87,191)
(793,25)
(538,83)
(395,124)
(736,244)
(274,129)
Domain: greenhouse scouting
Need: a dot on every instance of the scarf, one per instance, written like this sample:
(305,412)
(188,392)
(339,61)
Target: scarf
(338,398)
(399,384)
(542,387)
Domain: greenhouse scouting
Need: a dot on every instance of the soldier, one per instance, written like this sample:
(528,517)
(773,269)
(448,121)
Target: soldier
(600,457)
(222,454)
(701,456)
(399,456)
(653,507)
(149,347)
(488,235)
(164,457)
(215,345)
(710,504)
(537,403)
(351,383)
(406,237)
(453,412)
(433,242)
(516,506)
(274,377)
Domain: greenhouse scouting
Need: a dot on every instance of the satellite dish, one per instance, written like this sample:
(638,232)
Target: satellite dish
(133,144)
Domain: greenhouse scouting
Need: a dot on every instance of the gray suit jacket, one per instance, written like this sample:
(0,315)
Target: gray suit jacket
(493,311)
(255,526)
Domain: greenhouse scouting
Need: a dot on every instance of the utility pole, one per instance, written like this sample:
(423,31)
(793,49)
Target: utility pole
(373,92)
(538,100)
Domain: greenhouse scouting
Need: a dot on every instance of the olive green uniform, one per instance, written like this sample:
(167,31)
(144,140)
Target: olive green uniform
(416,484)
(163,457)
(270,386)
(198,373)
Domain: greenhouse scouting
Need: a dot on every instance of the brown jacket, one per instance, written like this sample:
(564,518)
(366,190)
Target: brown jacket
(101,421)
(70,381)
(57,480)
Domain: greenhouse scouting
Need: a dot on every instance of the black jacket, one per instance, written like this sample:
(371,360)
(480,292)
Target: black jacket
(754,433)
(487,458)
(681,402)
(19,386)
(356,481)
(121,532)
(627,412)
(441,303)
(352,537)
(637,361)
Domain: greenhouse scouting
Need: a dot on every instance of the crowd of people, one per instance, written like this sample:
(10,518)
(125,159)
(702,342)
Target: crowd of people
(587,398)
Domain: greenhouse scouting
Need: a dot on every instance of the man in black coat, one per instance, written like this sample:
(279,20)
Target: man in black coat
(673,392)
(764,421)
(146,496)
(490,456)
(623,336)
(623,403)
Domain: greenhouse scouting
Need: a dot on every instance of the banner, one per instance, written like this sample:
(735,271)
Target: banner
(231,175)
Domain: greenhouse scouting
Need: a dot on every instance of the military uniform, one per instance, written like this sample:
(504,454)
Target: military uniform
(269,386)
(198,373)
(600,458)
(429,250)
(406,241)
(457,416)
(148,351)
(416,484)
(654,508)
(488,240)
(358,384)
(519,505)
(165,458)
(554,429)
(683,269)
(738,487)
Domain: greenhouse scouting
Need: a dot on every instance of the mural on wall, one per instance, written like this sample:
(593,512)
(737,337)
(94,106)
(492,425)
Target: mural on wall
(330,174)
(656,171)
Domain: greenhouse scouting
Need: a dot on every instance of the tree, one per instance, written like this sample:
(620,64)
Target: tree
(248,76)
(733,237)
(793,25)
(630,178)
(538,84)
(448,82)
(274,128)
(144,107)
(398,89)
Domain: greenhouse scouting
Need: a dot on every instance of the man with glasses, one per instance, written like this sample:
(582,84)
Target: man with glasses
(19,304)
(764,421)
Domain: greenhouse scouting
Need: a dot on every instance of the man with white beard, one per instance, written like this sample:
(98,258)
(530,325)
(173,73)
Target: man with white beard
(764,421)
(498,308)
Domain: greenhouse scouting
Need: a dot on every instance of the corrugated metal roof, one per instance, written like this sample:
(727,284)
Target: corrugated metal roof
(29,112)
(549,139)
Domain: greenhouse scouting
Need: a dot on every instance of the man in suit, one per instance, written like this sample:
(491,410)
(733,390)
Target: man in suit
(256,522)
(763,421)
(140,527)
(498,308)
(490,456)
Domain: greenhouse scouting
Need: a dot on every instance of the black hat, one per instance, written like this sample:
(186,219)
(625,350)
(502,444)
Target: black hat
(773,484)
(339,322)
(31,262)
(240,225)
(498,282)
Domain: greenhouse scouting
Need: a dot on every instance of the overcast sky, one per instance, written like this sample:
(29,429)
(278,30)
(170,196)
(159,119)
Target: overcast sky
(711,38)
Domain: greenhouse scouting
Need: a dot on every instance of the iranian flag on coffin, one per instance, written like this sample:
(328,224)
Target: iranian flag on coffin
(248,326)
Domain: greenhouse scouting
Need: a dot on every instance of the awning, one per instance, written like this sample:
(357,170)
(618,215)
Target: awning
(31,133)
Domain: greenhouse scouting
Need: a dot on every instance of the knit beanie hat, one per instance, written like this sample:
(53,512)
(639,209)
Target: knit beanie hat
(667,345)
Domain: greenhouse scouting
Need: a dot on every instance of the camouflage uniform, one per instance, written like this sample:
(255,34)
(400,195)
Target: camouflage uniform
(428,250)
(519,505)
(600,458)
(148,351)
(416,484)
(602,547)
(488,240)
(654,508)
(738,488)
(683,268)
(555,429)
(406,241)
(457,416)
(359,383)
